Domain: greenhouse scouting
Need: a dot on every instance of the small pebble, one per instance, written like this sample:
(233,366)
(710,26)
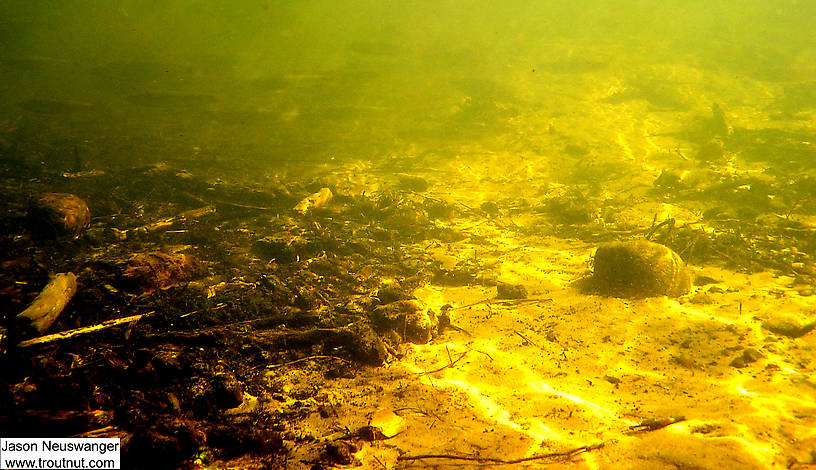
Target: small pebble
(613,380)
(510,291)
(748,356)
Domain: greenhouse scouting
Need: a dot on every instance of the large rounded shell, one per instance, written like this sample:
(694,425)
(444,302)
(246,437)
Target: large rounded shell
(54,215)
(639,268)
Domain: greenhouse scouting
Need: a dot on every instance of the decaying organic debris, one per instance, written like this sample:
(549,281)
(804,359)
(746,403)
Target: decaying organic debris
(411,320)
(314,201)
(186,303)
(45,309)
(158,270)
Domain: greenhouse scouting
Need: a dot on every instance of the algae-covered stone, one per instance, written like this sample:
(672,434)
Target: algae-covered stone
(783,326)
(748,356)
(638,268)
(510,291)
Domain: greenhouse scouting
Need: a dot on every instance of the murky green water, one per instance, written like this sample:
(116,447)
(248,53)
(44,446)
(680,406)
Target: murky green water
(264,81)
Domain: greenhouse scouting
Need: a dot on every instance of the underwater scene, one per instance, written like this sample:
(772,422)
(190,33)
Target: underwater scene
(434,234)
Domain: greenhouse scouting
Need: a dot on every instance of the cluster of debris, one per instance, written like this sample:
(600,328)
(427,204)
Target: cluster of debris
(171,297)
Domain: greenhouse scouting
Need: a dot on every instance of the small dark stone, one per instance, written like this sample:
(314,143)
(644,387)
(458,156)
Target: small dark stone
(783,327)
(232,441)
(489,208)
(711,151)
(669,179)
(228,391)
(361,343)
(748,356)
(408,318)
(413,183)
(173,440)
(439,210)
(339,453)
(571,209)
(703,280)
(391,292)
(285,248)
(684,361)
(510,291)
(611,379)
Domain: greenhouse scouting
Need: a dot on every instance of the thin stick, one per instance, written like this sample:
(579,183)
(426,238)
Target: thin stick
(449,364)
(653,229)
(168,222)
(81,331)
(654,424)
(493,300)
(302,359)
(555,456)
(481,352)
(524,338)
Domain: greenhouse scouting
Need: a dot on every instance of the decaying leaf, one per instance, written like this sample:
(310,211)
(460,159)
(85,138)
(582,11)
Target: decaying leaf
(388,423)
(48,305)
(318,199)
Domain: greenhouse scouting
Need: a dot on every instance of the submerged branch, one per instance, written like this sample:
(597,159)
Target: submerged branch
(81,331)
(554,456)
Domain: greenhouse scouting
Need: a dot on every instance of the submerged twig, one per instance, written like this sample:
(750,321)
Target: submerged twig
(668,222)
(302,359)
(654,424)
(449,364)
(524,338)
(481,352)
(81,331)
(166,223)
(554,456)
(493,300)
